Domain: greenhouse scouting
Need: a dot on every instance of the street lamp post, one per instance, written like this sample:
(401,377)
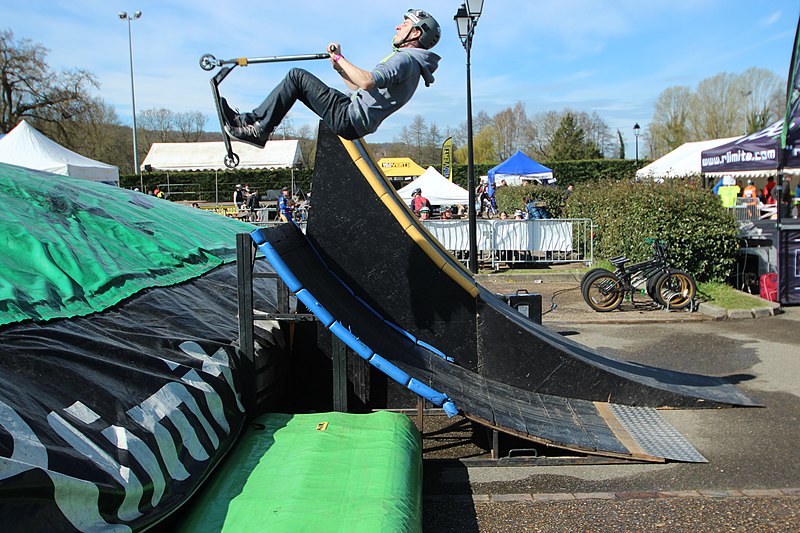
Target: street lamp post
(636,131)
(466,19)
(124,16)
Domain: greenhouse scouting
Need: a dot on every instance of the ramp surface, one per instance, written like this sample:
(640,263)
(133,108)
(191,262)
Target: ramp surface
(370,239)
(580,425)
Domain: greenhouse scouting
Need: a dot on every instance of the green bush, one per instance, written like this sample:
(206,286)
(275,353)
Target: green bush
(700,233)
(566,172)
(204,185)
(511,198)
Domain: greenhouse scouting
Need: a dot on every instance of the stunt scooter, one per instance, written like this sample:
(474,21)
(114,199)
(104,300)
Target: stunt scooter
(209,62)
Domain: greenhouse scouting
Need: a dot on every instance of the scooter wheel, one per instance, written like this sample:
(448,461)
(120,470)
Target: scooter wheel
(232,160)
(208,62)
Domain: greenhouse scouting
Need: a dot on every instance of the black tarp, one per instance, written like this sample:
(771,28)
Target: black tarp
(110,422)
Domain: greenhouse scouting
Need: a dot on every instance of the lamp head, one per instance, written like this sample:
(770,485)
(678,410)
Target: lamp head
(463,23)
(137,14)
(122,15)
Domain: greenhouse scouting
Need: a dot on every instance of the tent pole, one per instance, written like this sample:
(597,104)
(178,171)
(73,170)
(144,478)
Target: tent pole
(216,186)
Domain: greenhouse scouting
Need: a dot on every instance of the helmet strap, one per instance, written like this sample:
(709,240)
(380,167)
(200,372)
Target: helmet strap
(406,40)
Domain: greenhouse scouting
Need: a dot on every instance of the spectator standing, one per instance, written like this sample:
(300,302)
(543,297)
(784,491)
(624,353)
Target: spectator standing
(285,206)
(253,204)
(750,196)
(567,193)
(238,197)
(418,201)
(767,194)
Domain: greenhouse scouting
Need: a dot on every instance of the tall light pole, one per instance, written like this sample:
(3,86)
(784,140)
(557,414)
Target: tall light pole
(466,19)
(124,16)
(636,131)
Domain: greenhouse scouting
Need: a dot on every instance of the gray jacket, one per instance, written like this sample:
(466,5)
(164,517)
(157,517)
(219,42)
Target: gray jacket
(396,80)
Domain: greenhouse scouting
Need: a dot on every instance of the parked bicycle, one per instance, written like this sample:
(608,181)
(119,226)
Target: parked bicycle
(668,287)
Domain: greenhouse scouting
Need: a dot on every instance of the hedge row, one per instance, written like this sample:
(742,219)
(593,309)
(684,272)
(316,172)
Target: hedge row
(700,233)
(203,186)
(511,198)
(568,172)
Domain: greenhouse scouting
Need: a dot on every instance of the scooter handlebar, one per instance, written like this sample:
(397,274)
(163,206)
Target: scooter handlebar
(208,61)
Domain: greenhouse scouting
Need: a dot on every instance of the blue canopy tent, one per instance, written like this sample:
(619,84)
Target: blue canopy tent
(520,168)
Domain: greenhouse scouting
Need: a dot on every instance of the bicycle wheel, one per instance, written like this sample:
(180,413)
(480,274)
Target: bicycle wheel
(603,291)
(652,283)
(676,290)
(589,273)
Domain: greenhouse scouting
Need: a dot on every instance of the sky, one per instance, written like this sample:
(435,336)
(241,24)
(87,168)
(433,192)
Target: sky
(613,57)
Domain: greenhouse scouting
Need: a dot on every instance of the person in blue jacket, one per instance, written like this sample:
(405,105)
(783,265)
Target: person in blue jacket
(376,94)
(285,205)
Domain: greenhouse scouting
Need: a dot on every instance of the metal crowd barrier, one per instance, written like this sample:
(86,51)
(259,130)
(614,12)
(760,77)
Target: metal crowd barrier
(563,240)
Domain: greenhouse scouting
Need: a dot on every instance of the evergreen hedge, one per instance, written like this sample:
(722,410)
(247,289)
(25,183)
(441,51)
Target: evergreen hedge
(567,172)
(701,235)
(511,198)
(200,185)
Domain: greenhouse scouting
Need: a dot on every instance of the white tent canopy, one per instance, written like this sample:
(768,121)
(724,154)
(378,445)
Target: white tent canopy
(436,188)
(25,146)
(681,162)
(211,155)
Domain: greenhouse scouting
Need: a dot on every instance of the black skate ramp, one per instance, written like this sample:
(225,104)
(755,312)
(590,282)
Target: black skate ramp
(369,239)
(579,425)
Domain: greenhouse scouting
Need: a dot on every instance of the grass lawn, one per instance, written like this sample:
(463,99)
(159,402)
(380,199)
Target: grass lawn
(727,297)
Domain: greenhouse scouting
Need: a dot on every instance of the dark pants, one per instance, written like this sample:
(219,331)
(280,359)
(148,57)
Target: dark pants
(329,104)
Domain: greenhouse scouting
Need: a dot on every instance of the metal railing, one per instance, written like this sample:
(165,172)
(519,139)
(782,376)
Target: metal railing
(557,240)
(564,240)
(750,209)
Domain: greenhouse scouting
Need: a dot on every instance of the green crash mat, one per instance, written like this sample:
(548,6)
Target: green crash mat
(316,472)
(72,247)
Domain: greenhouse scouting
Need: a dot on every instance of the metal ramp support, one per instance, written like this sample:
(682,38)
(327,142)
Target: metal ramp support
(246,251)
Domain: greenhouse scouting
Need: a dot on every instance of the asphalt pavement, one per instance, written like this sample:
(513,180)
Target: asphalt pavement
(752,479)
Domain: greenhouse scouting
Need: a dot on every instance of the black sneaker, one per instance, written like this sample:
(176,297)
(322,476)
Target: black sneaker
(251,134)
(232,118)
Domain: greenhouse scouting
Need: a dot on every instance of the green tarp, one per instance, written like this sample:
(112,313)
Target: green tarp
(316,473)
(72,247)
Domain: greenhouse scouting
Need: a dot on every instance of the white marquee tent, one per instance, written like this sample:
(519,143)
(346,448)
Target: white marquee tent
(681,162)
(436,188)
(211,156)
(25,146)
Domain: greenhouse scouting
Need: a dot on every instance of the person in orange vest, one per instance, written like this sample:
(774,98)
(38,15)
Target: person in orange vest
(750,195)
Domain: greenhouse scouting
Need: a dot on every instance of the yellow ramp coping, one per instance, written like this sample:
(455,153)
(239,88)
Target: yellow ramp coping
(402,213)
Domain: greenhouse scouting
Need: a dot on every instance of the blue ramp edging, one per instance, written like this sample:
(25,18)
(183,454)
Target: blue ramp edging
(348,337)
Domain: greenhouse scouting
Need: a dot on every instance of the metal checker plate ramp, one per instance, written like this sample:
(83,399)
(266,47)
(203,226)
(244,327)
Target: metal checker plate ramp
(655,435)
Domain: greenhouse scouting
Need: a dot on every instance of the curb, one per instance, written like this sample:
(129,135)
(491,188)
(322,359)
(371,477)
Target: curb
(718,313)
(622,496)
(765,309)
(548,276)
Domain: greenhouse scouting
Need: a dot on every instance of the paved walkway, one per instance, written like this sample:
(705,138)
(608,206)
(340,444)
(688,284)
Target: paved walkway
(749,484)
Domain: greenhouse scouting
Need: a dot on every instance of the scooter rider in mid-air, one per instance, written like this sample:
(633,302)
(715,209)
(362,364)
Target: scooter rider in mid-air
(376,94)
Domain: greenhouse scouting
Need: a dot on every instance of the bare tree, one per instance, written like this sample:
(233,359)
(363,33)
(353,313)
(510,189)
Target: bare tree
(596,131)
(762,96)
(544,127)
(670,127)
(29,89)
(511,126)
(715,107)
(157,125)
(190,124)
